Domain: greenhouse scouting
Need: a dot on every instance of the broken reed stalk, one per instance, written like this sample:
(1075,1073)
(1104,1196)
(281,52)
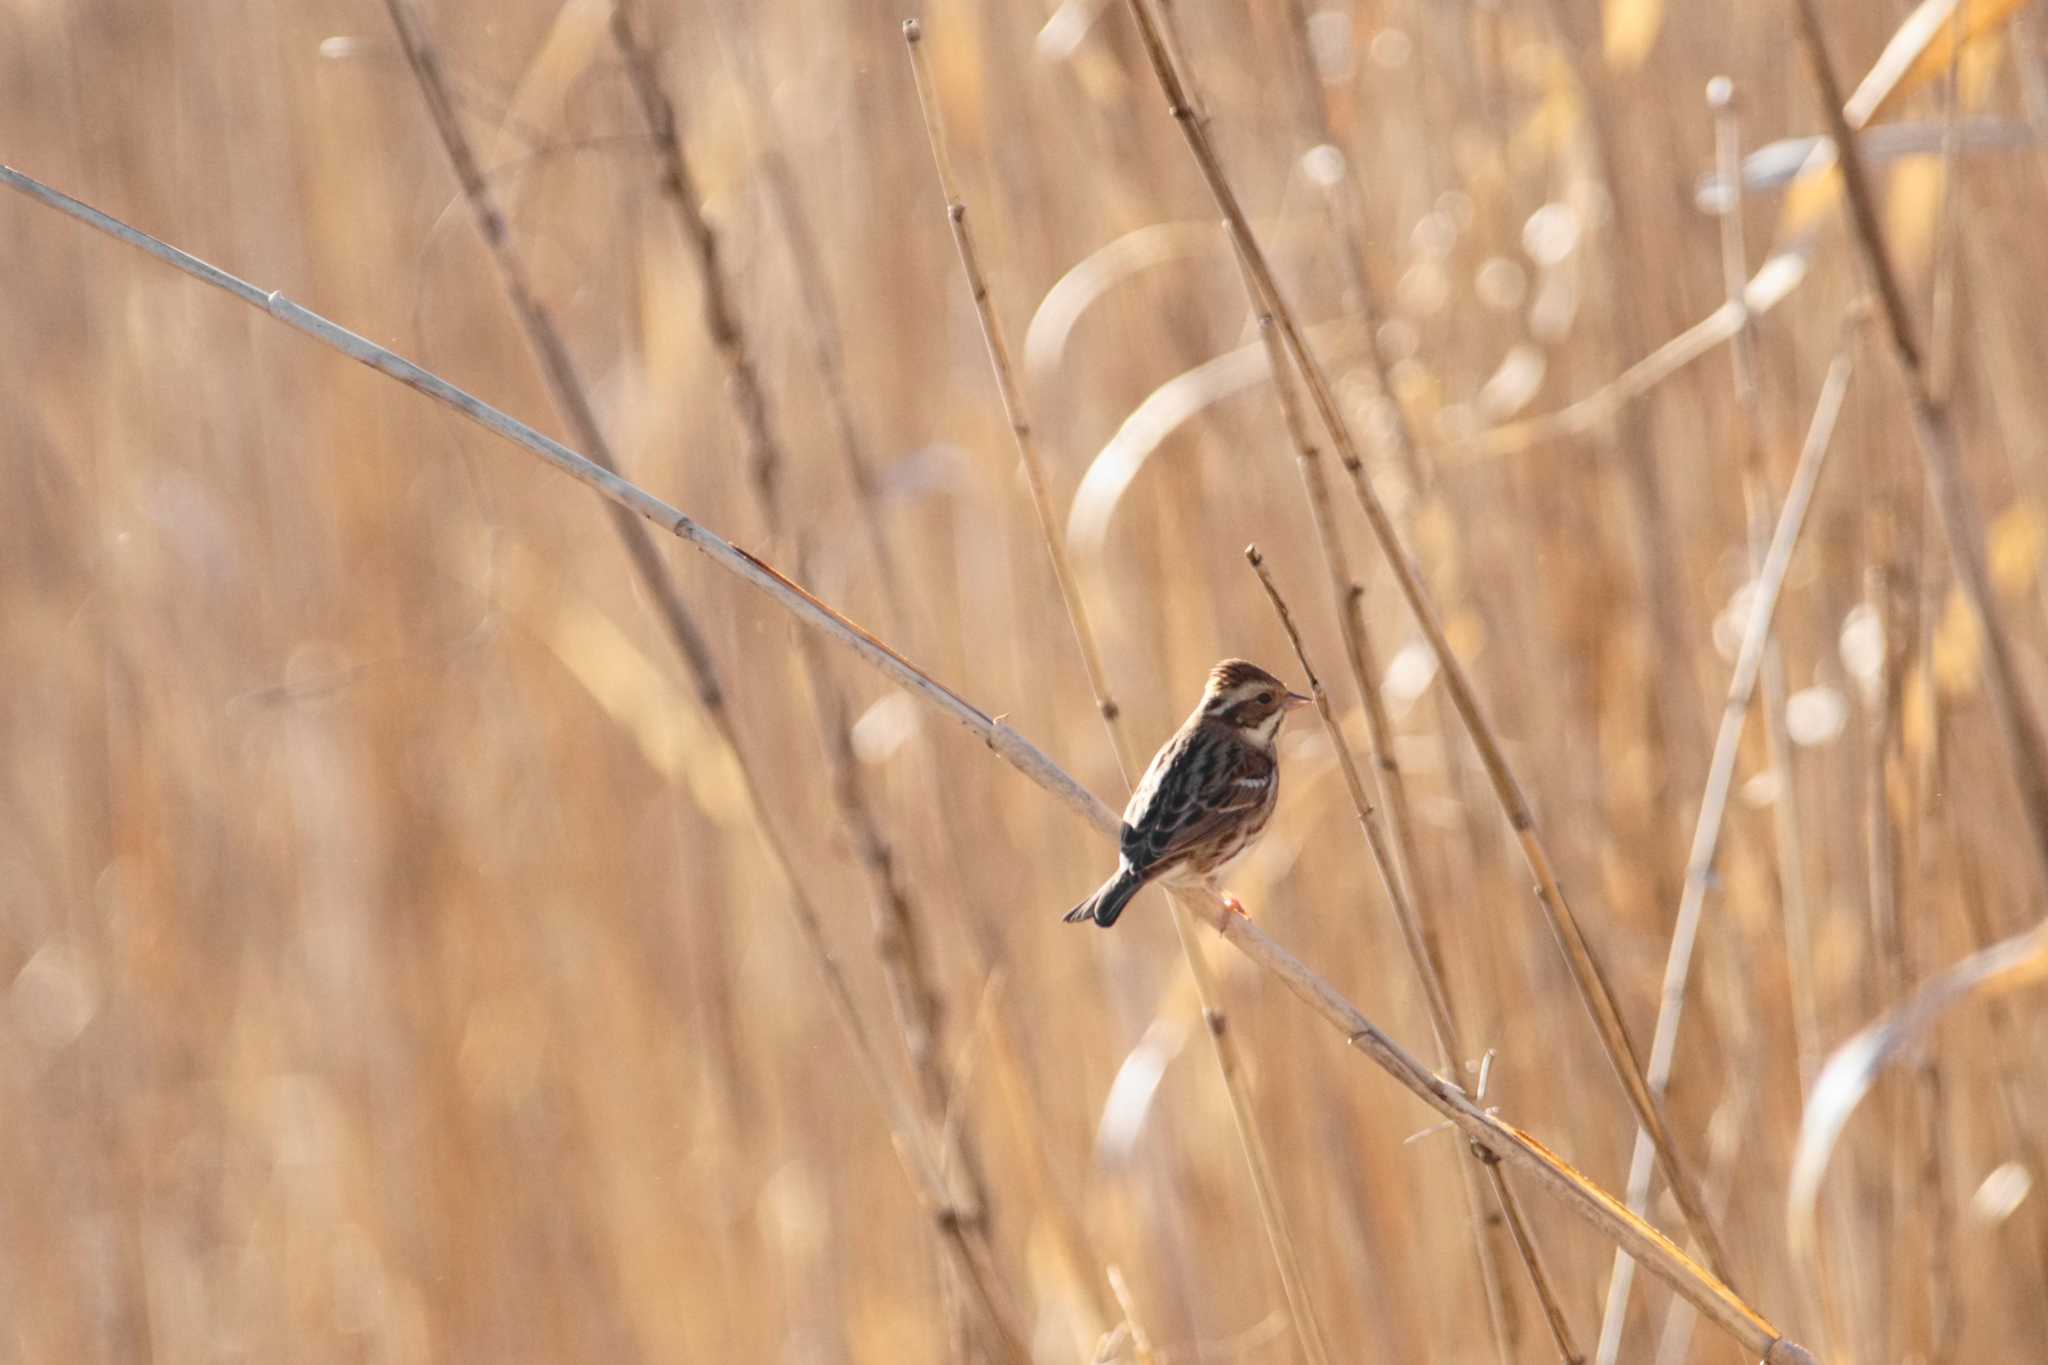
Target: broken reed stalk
(1502,1140)
(1272,1212)
(1940,452)
(1443,1024)
(1394,855)
(1720,782)
(962,1242)
(1592,985)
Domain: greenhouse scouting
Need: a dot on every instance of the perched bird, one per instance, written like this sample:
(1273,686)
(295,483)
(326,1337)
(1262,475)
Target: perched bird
(1207,794)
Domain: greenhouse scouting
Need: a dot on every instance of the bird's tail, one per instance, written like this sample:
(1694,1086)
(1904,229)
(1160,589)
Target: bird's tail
(1110,899)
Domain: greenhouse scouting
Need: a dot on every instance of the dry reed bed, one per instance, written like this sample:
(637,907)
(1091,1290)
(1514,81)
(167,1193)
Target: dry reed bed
(394,968)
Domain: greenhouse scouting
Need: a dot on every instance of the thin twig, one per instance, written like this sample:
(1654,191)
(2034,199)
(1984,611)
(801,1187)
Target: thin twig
(1272,1212)
(964,1245)
(1940,453)
(1596,1206)
(1586,972)
(1430,972)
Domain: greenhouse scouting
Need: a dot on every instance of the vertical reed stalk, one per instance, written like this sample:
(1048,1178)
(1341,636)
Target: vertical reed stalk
(1586,971)
(1272,1212)
(1442,1023)
(1393,854)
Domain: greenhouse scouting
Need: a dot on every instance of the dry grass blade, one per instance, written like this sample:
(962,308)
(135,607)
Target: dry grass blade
(1586,972)
(1272,1213)
(1170,406)
(1857,1065)
(1599,1208)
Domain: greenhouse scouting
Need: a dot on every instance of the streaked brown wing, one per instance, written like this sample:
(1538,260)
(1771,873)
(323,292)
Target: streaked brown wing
(1195,789)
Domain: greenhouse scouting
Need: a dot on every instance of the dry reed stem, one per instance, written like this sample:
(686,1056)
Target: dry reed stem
(1586,972)
(1394,857)
(1742,683)
(1272,1212)
(1922,950)
(1430,972)
(899,933)
(1786,840)
(1507,1143)
(964,1245)
(1343,213)
(1939,451)
(1341,205)
(985,949)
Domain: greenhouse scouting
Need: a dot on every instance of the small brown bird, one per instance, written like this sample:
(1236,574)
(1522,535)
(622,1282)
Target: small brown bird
(1208,793)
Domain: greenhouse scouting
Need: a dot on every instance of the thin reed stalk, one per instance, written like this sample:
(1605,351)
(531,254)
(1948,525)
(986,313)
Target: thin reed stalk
(1442,1022)
(1587,974)
(1393,854)
(1940,452)
(899,928)
(942,1176)
(1706,838)
(1272,1212)
(985,951)
(1589,1201)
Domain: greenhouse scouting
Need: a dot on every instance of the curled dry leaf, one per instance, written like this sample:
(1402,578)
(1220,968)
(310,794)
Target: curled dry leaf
(1163,412)
(1857,1065)
(1101,270)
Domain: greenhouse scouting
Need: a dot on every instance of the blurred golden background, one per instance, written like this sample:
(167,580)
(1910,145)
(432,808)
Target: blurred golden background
(394,969)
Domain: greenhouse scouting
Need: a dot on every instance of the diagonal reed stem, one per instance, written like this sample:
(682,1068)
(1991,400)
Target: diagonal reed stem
(1578,952)
(1432,974)
(1706,838)
(1394,853)
(1509,1144)
(962,1240)
(899,922)
(1272,1212)
(1939,450)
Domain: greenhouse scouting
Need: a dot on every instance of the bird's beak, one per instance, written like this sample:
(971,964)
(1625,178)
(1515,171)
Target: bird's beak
(1295,699)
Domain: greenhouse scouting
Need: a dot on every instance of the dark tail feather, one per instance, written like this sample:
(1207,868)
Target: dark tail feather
(1107,903)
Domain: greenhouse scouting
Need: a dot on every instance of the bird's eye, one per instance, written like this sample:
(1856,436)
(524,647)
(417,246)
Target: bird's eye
(1265,698)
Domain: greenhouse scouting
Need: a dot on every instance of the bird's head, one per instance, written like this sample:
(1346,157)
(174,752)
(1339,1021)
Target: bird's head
(1249,699)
